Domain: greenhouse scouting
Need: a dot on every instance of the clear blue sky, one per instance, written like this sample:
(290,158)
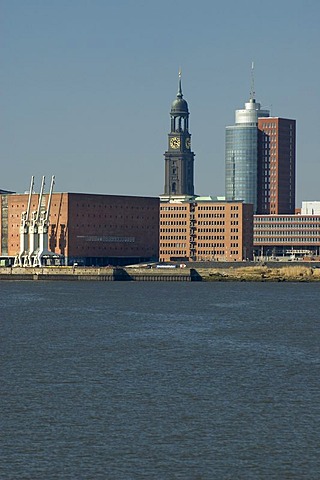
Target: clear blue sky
(86,87)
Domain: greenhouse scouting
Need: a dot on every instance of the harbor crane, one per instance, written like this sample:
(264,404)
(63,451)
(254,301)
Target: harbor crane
(21,259)
(34,238)
(33,228)
(43,229)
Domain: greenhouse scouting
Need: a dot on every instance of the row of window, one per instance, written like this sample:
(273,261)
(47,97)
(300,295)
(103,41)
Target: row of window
(286,240)
(178,222)
(292,227)
(209,253)
(35,206)
(291,232)
(173,237)
(109,248)
(89,225)
(101,247)
(289,219)
(206,222)
(212,230)
(211,245)
(269,125)
(172,245)
(173,215)
(168,208)
(211,237)
(173,252)
(211,215)
(142,227)
(213,207)
(121,207)
(201,222)
(115,216)
(201,255)
(199,208)
(173,230)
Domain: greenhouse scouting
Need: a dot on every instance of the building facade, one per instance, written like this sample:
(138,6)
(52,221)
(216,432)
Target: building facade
(286,235)
(204,229)
(88,229)
(276,166)
(310,208)
(179,159)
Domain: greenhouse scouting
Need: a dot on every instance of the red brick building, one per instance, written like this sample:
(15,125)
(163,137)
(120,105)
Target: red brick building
(276,166)
(202,229)
(88,229)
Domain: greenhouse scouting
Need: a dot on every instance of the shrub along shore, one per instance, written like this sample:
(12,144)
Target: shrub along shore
(292,273)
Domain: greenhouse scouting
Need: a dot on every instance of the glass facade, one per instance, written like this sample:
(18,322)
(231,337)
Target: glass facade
(241,164)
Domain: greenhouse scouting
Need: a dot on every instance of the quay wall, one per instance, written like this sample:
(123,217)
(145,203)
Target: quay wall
(97,274)
(257,273)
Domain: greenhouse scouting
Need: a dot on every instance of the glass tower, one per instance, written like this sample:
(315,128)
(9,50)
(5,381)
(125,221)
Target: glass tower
(241,154)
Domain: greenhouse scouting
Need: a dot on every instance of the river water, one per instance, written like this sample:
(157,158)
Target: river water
(133,380)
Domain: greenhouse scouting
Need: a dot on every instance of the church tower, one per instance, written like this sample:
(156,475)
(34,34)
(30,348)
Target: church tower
(179,159)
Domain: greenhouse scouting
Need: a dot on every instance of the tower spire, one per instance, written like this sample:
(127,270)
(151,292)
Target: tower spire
(179,159)
(179,94)
(252,91)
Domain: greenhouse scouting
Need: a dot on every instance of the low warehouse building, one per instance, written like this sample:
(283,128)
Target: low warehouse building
(87,229)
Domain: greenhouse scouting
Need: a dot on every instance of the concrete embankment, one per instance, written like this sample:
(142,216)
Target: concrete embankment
(275,273)
(99,274)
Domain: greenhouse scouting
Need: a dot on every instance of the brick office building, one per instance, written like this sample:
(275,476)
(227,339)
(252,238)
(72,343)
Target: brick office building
(276,166)
(88,229)
(202,229)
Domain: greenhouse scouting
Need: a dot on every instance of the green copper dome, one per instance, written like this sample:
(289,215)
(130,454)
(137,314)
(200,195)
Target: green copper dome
(179,106)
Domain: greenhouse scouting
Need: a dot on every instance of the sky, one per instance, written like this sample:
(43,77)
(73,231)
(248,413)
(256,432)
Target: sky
(86,87)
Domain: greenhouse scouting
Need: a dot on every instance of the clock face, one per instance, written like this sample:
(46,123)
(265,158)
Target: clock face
(188,143)
(175,142)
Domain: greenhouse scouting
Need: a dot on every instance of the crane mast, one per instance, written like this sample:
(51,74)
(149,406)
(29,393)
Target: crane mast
(43,229)
(33,230)
(22,258)
(53,179)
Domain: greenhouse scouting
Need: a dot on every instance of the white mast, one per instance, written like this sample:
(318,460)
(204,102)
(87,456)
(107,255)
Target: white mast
(252,91)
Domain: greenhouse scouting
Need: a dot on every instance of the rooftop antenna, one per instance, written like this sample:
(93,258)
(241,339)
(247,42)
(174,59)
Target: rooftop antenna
(252,92)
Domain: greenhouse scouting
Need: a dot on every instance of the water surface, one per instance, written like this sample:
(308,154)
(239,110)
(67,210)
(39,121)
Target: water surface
(125,380)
